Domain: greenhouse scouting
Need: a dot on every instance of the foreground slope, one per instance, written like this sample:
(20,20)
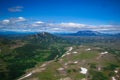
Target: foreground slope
(78,63)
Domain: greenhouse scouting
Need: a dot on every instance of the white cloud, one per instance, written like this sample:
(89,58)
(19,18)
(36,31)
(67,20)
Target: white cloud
(15,9)
(55,28)
(38,23)
(21,23)
(73,25)
(14,20)
(106,27)
(20,19)
(6,21)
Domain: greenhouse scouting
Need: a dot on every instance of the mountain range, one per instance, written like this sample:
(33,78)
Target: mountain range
(79,33)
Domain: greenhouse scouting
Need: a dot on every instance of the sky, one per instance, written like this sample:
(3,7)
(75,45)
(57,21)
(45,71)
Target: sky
(60,15)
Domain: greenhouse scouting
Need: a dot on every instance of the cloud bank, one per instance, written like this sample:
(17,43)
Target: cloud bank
(22,24)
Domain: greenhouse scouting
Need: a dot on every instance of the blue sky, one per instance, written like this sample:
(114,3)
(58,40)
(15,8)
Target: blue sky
(63,15)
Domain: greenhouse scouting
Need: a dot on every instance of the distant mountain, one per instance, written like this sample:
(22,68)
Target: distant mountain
(87,33)
(32,37)
(43,38)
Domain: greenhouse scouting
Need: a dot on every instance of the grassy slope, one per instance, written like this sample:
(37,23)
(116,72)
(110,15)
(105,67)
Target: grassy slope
(15,62)
(87,59)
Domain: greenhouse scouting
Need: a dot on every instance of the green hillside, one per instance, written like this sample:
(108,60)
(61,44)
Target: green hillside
(44,56)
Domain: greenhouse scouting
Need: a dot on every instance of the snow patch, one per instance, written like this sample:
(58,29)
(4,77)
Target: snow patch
(67,78)
(63,55)
(25,76)
(43,65)
(104,52)
(99,68)
(84,79)
(113,78)
(88,49)
(76,62)
(67,53)
(70,49)
(60,69)
(83,70)
(28,75)
(75,52)
(66,64)
(116,71)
